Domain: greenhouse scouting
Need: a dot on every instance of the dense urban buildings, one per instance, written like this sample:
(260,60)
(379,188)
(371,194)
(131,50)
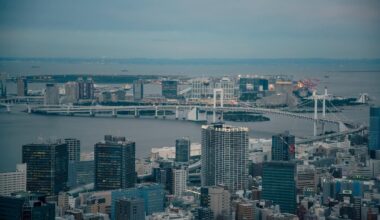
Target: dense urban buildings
(114,163)
(47,167)
(182,150)
(283,146)
(217,199)
(279,184)
(13,181)
(224,156)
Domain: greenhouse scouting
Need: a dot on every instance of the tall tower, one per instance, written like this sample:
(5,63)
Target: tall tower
(47,167)
(283,146)
(182,150)
(374,131)
(73,146)
(22,86)
(224,156)
(114,163)
(138,90)
(51,94)
(279,184)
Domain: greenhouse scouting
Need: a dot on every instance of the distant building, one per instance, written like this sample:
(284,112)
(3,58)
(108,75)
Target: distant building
(279,184)
(203,88)
(250,88)
(23,205)
(217,199)
(224,156)
(114,163)
(13,181)
(3,86)
(73,146)
(138,90)
(283,146)
(179,181)
(153,196)
(22,86)
(245,211)
(374,131)
(86,88)
(129,208)
(72,92)
(169,89)
(47,167)
(306,178)
(182,150)
(203,213)
(51,94)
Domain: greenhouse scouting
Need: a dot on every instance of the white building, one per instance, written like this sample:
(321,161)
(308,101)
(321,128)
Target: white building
(179,181)
(13,181)
(203,88)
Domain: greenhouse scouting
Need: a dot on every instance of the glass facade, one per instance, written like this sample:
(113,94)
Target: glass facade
(182,150)
(279,185)
(283,147)
(169,88)
(47,167)
(374,128)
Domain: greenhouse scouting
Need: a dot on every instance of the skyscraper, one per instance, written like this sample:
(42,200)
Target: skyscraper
(86,88)
(129,208)
(279,184)
(47,167)
(169,88)
(73,146)
(114,163)
(283,147)
(3,86)
(72,92)
(182,150)
(138,90)
(179,181)
(22,86)
(224,156)
(51,94)
(217,199)
(374,130)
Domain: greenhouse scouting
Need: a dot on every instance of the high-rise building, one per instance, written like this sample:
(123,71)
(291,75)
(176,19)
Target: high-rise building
(13,181)
(138,90)
(153,196)
(73,146)
(22,86)
(203,213)
(279,184)
(244,211)
(84,172)
(251,87)
(51,94)
(179,181)
(217,199)
(283,146)
(169,88)
(374,131)
(3,86)
(114,163)
(306,178)
(86,88)
(224,156)
(47,167)
(182,150)
(129,208)
(72,92)
(23,205)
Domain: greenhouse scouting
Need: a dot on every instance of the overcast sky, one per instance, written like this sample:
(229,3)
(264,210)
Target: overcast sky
(190,28)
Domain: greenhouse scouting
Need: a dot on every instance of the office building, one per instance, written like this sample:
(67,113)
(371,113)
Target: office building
(22,86)
(85,172)
(28,206)
(47,167)
(224,156)
(283,146)
(179,181)
(152,194)
(3,86)
(138,90)
(244,211)
(374,131)
(279,184)
(204,214)
(217,199)
(169,89)
(51,94)
(306,178)
(203,88)
(250,88)
(72,92)
(129,208)
(228,87)
(86,88)
(114,163)
(13,181)
(182,150)
(73,146)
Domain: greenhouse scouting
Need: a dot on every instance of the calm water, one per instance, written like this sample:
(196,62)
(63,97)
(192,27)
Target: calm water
(18,128)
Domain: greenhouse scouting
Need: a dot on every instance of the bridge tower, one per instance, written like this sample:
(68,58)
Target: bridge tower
(216,91)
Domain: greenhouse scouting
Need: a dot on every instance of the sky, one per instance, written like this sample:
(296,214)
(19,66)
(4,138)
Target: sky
(180,29)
